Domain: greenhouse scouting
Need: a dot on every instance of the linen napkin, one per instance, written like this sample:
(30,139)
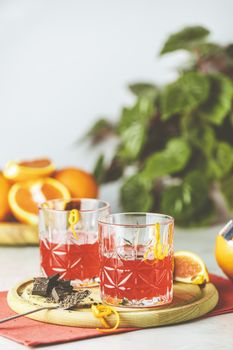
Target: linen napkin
(225,290)
(34,333)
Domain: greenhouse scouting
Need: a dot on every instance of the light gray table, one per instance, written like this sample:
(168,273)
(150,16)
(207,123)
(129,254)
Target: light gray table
(212,333)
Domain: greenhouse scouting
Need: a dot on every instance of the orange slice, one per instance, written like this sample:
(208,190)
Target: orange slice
(28,170)
(24,197)
(189,268)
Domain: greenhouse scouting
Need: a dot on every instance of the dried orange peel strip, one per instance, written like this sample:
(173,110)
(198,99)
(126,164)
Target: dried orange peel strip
(100,311)
(159,251)
(74,218)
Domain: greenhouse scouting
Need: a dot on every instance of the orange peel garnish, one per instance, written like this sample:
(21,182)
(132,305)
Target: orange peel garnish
(100,311)
(170,234)
(74,218)
(158,249)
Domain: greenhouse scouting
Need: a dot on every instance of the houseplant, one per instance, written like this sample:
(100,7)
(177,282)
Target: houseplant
(177,139)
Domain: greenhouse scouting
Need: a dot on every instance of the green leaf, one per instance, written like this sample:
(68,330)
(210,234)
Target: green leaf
(169,161)
(186,201)
(224,156)
(99,130)
(112,172)
(208,49)
(133,127)
(220,99)
(144,89)
(227,190)
(184,95)
(115,170)
(141,113)
(185,39)
(221,162)
(135,195)
(198,134)
(99,169)
(132,141)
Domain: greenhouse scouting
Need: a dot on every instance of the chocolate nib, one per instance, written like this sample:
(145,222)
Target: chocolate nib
(43,285)
(40,286)
(59,292)
(64,284)
(74,298)
(54,279)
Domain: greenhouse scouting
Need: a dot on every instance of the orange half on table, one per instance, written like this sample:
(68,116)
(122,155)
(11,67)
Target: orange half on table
(28,170)
(189,268)
(224,249)
(24,197)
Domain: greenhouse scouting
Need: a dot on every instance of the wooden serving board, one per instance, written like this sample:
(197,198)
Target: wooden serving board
(16,234)
(190,302)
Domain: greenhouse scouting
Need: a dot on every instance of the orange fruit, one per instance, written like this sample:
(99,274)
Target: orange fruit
(4,189)
(224,255)
(80,183)
(24,197)
(28,170)
(189,268)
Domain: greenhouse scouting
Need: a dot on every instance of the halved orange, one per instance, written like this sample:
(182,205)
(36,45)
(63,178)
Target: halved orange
(189,268)
(24,197)
(4,189)
(28,170)
(224,254)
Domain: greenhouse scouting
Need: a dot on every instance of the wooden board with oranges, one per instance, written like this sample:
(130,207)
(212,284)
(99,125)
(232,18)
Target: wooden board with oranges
(24,185)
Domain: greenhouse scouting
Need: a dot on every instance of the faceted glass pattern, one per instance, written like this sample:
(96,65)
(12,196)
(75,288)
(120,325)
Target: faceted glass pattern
(75,258)
(131,274)
(135,279)
(71,261)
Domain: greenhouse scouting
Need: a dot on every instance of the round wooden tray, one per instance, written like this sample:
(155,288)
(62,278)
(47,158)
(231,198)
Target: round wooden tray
(190,302)
(16,234)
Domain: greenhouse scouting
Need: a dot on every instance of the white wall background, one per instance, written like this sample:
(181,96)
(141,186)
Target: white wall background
(63,63)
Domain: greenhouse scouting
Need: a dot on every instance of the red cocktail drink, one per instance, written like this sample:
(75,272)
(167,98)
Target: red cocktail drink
(138,279)
(69,239)
(72,261)
(136,259)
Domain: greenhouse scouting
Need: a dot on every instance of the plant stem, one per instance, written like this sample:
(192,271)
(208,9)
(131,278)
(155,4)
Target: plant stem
(223,213)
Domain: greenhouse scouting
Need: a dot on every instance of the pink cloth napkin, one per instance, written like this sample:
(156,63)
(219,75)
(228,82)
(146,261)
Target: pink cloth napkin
(34,333)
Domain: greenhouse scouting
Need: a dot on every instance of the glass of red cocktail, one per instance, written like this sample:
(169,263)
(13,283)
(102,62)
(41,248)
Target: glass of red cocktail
(68,231)
(136,259)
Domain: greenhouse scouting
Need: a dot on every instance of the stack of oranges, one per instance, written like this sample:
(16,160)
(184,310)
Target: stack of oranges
(23,185)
